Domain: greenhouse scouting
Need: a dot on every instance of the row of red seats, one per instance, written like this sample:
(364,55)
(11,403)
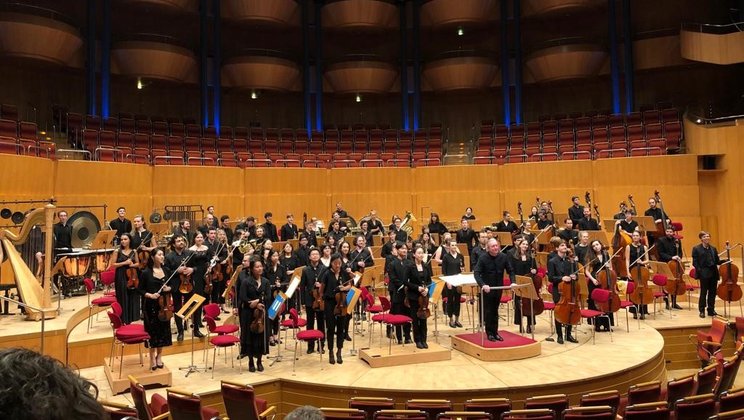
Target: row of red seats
(597,151)
(22,138)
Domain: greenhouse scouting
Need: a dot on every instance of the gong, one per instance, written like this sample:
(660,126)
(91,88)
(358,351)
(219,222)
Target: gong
(85,226)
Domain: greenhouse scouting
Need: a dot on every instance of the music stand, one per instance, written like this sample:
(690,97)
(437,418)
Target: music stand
(505,238)
(352,298)
(186,312)
(103,239)
(525,292)
(598,235)
(647,225)
(435,296)
(277,308)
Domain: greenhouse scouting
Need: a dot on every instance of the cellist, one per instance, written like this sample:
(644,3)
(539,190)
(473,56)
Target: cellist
(670,249)
(635,254)
(595,260)
(561,269)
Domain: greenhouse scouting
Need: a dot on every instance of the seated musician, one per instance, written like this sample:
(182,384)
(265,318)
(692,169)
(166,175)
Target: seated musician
(627,223)
(543,222)
(561,269)
(468,214)
(670,249)
(568,233)
(435,225)
(586,222)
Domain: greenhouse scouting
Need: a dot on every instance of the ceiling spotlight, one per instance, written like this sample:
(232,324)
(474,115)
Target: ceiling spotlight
(460,31)
(140,85)
(254,95)
(358,97)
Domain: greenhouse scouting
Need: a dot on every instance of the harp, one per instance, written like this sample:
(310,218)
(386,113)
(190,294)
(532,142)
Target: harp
(29,289)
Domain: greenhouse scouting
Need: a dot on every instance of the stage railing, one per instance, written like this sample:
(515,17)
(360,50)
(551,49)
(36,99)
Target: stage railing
(43,326)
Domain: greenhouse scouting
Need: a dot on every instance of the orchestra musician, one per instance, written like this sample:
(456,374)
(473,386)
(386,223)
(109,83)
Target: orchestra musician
(417,280)
(375,225)
(341,224)
(398,273)
(217,248)
(289,230)
(706,261)
(124,258)
(333,281)
(225,226)
(442,249)
(326,250)
(209,222)
(506,224)
(62,234)
(560,269)
(452,263)
(369,237)
(479,250)
(142,239)
(312,240)
(121,224)
(308,283)
(586,222)
(199,262)
(276,274)
(534,212)
(582,248)
(173,262)
(254,293)
(427,242)
(466,235)
(468,214)
(436,226)
(248,225)
(627,223)
(335,232)
(576,211)
(303,250)
(400,234)
(568,233)
(524,264)
(659,217)
(489,272)
(633,253)
(387,247)
(184,229)
(543,222)
(620,215)
(670,249)
(259,239)
(152,279)
(361,255)
(210,211)
(341,212)
(596,258)
(344,249)
(270,228)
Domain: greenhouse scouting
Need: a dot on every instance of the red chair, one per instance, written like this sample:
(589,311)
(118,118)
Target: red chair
(707,377)
(556,403)
(101,302)
(305,336)
(598,412)
(493,406)
(186,406)
(696,407)
(709,342)
(731,400)
(371,405)
(627,304)
(680,388)
(646,392)
(241,402)
(462,415)
(691,288)
(289,324)
(739,329)
(342,413)
(400,414)
(648,411)
(599,296)
(608,398)
(125,335)
(659,280)
(379,317)
(118,411)
(728,415)
(212,311)
(531,414)
(729,370)
(221,341)
(155,410)
(431,407)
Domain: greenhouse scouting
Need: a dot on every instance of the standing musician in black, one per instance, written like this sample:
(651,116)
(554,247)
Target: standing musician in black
(479,250)
(225,225)
(289,229)
(561,269)
(310,281)
(670,249)
(152,286)
(417,281)
(398,273)
(276,273)
(524,265)
(436,225)
(270,228)
(659,217)
(453,263)
(586,222)
(576,211)
(360,257)
(636,254)
(173,262)
(369,237)
(218,252)
(121,224)
(706,261)
(490,273)
(389,245)
(312,240)
(142,239)
(596,259)
(254,293)
(62,234)
(375,224)
(184,230)
(506,224)
(333,282)
(400,234)
(466,235)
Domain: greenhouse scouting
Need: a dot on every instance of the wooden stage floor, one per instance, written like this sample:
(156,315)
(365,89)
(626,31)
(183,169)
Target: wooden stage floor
(630,358)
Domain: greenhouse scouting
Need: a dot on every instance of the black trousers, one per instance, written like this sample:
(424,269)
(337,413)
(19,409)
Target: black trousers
(707,295)
(518,315)
(453,301)
(419,324)
(491,302)
(218,288)
(315,321)
(399,308)
(336,326)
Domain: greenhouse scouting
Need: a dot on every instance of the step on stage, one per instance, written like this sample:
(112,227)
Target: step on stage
(404,355)
(132,366)
(514,346)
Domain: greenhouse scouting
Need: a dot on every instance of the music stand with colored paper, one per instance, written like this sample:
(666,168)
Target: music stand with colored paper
(186,312)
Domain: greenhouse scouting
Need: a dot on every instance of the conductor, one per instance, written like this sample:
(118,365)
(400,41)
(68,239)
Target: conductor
(489,272)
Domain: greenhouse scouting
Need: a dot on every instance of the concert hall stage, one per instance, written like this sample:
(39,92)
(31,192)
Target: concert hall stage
(642,354)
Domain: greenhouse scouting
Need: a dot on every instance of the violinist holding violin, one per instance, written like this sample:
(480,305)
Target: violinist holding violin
(143,240)
(334,283)
(217,252)
(254,293)
(596,260)
(310,284)
(183,288)
(417,280)
(158,307)
(561,269)
(126,280)
(705,259)
(199,262)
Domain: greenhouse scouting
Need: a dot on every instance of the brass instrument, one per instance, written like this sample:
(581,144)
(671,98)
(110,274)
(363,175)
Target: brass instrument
(405,224)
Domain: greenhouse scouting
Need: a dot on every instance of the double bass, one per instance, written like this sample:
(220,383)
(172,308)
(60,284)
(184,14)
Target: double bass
(729,290)
(568,309)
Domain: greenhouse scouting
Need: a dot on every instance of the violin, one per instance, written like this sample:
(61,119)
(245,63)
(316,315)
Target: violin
(186,286)
(534,307)
(318,302)
(257,325)
(423,311)
(568,309)
(641,295)
(341,309)
(132,274)
(143,255)
(676,285)
(728,290)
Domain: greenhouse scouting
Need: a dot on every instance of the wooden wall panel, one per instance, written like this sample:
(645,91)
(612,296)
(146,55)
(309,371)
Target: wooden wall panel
(25,178)
(286,190)
(97,183)
(388,190)
(181,185)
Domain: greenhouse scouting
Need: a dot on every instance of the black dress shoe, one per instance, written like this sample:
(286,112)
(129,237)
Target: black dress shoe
(259,367)
(559,340)
(331,358)
(347,338)
(571,339)
(251,368)
(529,329)
(408,341)
(339,359)
(702,315)
(491,337)
(198,334)
(676,306)
(179,337)
(160,365)
(457,324)
(154,368)
(423,343)
(498,337)
(452,325)
(309,350)
(419,345)
(714,313)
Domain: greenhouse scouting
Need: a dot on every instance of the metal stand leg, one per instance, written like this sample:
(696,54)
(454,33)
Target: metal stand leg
(192,367)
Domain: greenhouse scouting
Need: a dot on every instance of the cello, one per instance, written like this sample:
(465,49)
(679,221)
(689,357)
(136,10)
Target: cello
(729,291)
(620,240)
(533,307)
(568,309)
(608,280)
(641,294)
(676,285)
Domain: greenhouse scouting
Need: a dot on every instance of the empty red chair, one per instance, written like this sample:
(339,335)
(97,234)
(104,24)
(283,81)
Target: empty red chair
(241,402)
(188,406)
(305,336)
(157,406)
